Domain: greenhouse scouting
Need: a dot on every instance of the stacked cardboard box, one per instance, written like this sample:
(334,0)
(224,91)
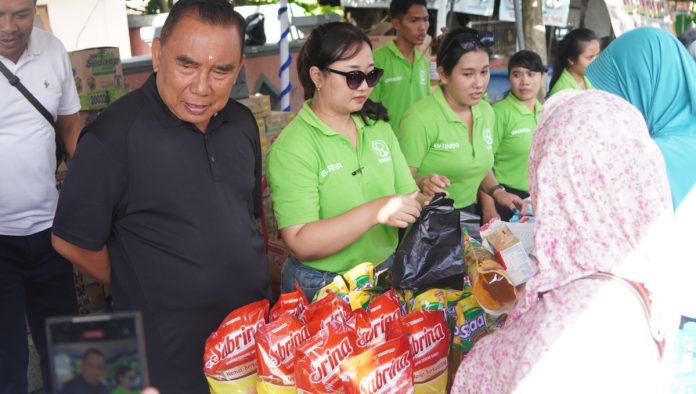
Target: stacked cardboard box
(271,123)
(98,75)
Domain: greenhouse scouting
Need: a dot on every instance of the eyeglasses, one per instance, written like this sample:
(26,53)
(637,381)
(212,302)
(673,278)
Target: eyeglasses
(355,78)
(469,41)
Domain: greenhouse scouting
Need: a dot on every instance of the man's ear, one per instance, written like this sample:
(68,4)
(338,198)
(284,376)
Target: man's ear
(156,53)
(396,24)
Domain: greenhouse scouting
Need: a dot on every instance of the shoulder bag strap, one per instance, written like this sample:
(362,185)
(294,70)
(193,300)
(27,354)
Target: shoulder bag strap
(14,81)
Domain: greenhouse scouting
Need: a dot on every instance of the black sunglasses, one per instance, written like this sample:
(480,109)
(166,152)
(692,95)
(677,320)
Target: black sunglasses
(468,41)
(355,78)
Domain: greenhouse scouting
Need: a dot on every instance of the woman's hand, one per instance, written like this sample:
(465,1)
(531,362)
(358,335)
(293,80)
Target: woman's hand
(432,184)
(509,200)
(490,214)
(399,210)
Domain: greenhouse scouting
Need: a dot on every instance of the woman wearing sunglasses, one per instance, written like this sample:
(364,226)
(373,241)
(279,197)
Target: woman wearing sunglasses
(447,138)
(339,183)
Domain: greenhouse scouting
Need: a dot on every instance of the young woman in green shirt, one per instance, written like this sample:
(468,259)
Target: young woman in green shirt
(516,118)
(575,52)
(447,138)
(339,183)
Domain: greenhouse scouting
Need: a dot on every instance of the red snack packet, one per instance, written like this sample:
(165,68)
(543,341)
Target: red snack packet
(383,369)
(275,352)
(293,303)
(230,351)
(316,364)
(318,314)
(382,310)
(429,337)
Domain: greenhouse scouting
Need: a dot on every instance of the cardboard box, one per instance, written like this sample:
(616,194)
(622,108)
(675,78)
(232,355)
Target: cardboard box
(510,251)
(277,120)
(98,75)
(259,104)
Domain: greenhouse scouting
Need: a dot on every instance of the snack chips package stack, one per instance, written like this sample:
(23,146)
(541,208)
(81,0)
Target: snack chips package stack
(293,303)
(355,286)
(275,354)
(383,369)
(230,351)
(317,360)
(320,313)
(371,325)
(429,338)
(490,283)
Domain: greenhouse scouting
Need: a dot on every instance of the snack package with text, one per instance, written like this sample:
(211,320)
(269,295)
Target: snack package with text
(275,354)
(371,325)
(230,352)
(293,303)
(319,314)
(317,360)
(383,369)
(337,286)
(429,338)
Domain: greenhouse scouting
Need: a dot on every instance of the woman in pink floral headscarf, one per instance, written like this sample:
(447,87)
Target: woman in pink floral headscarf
(602,200)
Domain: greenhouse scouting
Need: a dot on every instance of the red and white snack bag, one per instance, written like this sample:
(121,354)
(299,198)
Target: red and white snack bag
(230,351)
(384,369)
(316,363)
(275,354)
(371,325)
(293,303)
(429,338)
(318,314)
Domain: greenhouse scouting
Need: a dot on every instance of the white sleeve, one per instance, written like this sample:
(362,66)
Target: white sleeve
(69,100)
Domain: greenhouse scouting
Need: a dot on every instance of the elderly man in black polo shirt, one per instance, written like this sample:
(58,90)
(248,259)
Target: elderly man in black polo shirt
(163,190)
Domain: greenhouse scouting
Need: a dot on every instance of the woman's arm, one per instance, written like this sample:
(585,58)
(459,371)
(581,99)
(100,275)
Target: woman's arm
(490,186)
(325,237)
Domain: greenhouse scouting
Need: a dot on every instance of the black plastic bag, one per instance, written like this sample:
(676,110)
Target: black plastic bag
(431,254)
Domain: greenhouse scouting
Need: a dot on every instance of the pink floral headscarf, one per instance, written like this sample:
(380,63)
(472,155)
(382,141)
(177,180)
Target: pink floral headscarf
(598,183)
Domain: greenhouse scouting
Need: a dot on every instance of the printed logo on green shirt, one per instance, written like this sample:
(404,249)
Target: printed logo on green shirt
(520,131)
(422,78)
(330,168)
(446,146)
(488,138)
(393,79)
(381,150)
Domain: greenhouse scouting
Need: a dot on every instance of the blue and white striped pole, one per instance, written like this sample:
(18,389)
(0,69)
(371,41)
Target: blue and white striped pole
(285,59)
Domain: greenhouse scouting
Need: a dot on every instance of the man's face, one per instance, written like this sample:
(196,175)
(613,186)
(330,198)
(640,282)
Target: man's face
(16,22)
(196,68)
(413,26)
(93,367)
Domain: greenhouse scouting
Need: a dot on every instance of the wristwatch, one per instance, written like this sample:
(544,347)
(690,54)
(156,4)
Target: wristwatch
(494,188)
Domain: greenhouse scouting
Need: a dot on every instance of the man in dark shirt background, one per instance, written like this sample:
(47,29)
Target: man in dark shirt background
(89,381)
(163,190)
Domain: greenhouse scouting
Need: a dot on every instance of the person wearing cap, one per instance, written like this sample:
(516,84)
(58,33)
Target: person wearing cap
(339,183)
(516,117)
(575,52)
(447,138)
(406,76)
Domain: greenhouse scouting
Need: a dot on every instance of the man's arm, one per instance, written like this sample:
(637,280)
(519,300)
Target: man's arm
(94,263)
(68,128)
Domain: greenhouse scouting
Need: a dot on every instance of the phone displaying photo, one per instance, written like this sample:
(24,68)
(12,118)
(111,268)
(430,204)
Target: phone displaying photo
(97,354)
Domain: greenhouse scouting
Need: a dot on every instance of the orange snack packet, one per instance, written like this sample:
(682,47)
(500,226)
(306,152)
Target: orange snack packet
(318,314)
(317,360)
(381,311)
(293,303)
(429,338)
(275,353)
(230,351)
(383,369)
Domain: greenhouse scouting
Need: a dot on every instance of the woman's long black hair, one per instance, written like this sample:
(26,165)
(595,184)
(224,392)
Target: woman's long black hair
(330,43)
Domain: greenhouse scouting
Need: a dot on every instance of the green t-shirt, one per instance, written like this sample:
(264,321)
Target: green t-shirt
(566,81)
(403,83)
(436,141)
(312,176)
(514,128)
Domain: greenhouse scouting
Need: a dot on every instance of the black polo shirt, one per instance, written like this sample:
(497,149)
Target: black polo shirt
(176,209)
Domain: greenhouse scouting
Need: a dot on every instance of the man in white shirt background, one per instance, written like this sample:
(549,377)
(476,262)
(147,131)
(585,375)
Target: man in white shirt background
(35,281)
